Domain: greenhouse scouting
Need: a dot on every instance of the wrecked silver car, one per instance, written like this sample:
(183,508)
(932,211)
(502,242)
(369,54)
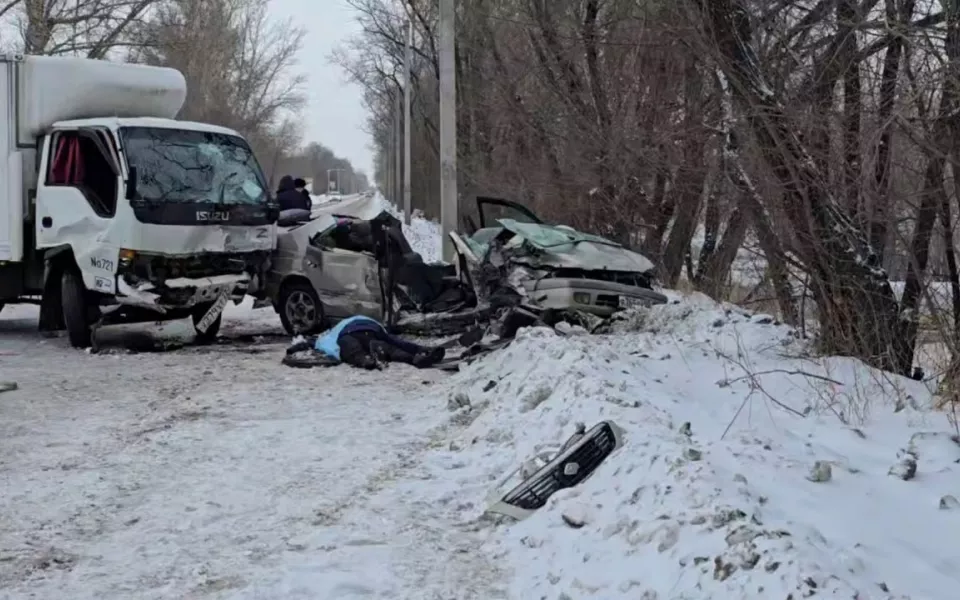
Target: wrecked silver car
(335,266)
(553,267)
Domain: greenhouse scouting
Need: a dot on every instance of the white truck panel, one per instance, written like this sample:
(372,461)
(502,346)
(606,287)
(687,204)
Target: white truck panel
(11,233)
(91,89)
(11,206)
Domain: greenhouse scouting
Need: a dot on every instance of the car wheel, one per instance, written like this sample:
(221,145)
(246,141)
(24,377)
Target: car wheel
(73,297)
(300,309)
(210,335)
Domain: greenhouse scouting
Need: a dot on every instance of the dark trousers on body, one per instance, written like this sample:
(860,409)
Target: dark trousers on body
(359,349)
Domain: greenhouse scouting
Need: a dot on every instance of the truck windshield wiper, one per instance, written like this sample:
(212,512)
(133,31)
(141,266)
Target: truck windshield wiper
(223,189)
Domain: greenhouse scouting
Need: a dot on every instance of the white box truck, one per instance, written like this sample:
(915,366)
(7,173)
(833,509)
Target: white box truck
(112,211)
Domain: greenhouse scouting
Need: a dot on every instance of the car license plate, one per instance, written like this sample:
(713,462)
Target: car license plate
(627,302)
(213,313)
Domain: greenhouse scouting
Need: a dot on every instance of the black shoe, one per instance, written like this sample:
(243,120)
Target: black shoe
(429,358)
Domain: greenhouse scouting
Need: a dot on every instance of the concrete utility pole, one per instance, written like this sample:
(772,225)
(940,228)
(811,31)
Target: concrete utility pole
(389,148)
(397,151)
(407,187)
(330,180)
(448,126)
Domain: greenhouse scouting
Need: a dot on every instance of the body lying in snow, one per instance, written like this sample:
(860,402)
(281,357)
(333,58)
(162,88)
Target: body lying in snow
(364,342)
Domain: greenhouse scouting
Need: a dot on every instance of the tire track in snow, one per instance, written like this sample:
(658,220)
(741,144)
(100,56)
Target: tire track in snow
(193,473)
(432,552)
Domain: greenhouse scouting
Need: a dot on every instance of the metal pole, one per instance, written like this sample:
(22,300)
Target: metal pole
(397,151)
(407,184)
(448,127)
(391,177)
(386,185)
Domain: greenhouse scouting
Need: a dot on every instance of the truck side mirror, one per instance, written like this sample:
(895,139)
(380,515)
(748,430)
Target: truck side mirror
(131,191)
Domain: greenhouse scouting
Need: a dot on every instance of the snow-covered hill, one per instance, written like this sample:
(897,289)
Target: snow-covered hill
(749,469)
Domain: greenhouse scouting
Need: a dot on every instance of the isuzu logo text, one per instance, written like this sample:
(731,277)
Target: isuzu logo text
(213,215)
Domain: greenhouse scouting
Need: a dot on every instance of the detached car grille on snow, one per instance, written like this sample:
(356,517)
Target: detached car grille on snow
(568,469)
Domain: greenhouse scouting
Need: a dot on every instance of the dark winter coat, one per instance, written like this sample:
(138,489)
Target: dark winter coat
(289,197)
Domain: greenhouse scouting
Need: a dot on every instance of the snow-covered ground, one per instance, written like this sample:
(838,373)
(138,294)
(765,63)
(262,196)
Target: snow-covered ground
(201,472)
(423,234)
(749,469)
(723,507)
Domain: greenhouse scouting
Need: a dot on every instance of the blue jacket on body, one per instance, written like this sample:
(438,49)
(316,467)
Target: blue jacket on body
(329,342)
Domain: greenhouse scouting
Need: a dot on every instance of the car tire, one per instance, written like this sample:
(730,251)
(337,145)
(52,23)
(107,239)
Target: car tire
(210,335)
(301,311)
(73,298)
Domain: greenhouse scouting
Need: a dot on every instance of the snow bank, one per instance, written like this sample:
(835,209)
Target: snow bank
(423,234)
(715,493)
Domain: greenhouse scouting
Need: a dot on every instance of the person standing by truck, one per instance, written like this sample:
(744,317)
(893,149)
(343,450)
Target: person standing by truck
(289,197)
(300,185)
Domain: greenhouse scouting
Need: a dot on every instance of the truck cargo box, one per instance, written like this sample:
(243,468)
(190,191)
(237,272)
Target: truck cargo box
(38,91)
(62,88)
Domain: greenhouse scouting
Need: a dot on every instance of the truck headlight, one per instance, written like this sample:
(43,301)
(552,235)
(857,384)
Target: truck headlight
(127,257)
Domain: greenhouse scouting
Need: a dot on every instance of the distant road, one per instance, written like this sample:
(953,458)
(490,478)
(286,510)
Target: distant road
(354,205)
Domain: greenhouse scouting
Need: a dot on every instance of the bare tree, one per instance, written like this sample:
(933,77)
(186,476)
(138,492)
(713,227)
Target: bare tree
(90,28)
(237,63)
(609,115)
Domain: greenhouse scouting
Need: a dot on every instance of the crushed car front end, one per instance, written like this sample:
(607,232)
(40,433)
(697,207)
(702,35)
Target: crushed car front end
(557,268)
(587,294)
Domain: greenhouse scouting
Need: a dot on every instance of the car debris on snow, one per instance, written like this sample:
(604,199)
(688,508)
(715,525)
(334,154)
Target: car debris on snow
(553,469)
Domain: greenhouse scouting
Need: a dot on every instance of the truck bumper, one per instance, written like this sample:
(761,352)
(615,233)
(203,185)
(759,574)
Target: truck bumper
(182,292)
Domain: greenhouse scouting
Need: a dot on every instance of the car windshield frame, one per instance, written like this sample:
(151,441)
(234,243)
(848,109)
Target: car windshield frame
(189,166)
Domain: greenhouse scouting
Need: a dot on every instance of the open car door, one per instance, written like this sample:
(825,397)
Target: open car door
(491,209)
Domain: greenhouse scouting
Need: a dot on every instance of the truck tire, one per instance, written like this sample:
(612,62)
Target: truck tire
(210,335)
(73,297)
(301,311)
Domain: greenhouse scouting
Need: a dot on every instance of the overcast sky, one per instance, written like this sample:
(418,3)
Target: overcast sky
(334,114)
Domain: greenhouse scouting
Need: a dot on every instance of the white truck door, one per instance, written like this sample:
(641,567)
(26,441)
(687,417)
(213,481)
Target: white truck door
(77,191)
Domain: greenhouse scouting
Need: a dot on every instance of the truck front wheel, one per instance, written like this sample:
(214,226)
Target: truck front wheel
(75,315)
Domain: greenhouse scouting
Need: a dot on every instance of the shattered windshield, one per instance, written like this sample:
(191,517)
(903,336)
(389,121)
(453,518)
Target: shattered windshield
(176,165)
(552,236)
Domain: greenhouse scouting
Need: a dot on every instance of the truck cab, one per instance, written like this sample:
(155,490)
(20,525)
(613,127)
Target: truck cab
(112,211)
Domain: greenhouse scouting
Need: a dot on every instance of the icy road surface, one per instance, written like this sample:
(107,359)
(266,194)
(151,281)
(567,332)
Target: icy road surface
(213,472)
